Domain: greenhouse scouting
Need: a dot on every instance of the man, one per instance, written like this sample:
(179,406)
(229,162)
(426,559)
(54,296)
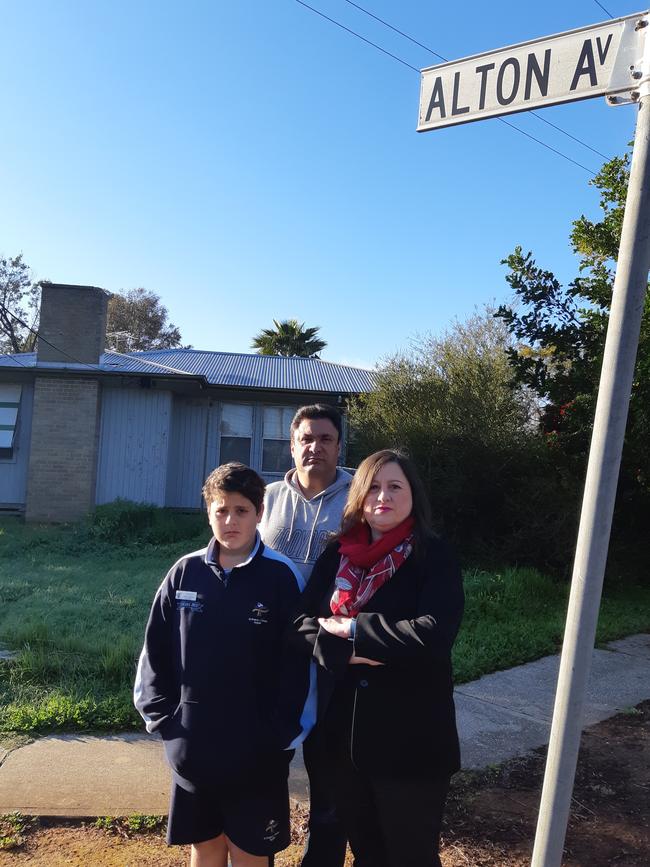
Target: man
(301,512)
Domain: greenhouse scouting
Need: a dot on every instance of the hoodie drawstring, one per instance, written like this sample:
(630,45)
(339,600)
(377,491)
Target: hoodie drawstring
(313,528)
(294,503)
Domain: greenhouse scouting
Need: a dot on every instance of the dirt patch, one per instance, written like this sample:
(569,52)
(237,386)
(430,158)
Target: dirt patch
(491,815)
(490,818)
(62,844)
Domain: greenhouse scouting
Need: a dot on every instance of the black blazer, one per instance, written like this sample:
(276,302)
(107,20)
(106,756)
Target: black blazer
(398,718)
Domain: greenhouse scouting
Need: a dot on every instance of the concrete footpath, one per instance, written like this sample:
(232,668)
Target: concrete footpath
(500,716)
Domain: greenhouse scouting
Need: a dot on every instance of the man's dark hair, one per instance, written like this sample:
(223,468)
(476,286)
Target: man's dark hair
(317,410)
(234,478)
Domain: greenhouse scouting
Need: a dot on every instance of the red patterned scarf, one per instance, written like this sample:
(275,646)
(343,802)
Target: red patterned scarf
(366,565)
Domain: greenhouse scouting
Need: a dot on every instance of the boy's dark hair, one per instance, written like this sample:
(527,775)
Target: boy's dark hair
(317,410)
(235,478)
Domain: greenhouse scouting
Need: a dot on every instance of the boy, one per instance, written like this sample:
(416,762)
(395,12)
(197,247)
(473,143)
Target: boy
(208,681)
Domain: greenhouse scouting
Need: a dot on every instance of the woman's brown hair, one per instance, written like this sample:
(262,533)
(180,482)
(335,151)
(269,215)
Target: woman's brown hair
(360,487)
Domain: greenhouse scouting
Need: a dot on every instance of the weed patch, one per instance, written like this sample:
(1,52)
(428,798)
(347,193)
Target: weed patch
(127,826)
(14,828)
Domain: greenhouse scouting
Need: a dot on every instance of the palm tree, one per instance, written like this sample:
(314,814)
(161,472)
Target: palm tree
(289,337)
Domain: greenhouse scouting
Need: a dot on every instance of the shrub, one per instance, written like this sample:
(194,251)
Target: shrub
(498,491)
(125,522)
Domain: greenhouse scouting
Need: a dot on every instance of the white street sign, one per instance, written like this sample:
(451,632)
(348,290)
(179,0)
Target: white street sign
(610,59)
(591,61)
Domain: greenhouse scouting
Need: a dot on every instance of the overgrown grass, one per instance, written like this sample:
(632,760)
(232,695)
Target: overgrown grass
(518,615)
(74,606)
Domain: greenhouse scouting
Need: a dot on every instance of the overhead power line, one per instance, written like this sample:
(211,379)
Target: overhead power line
(19,363)
(568,134)
(404,63)
(40,337)
(358,35)
(544,145)
(603,8)
(395,30)
(446,60)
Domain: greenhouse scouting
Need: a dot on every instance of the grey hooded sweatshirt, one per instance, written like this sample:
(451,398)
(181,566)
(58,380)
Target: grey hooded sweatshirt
(300,528)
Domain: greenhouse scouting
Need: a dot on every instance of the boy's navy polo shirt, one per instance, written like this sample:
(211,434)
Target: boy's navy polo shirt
(213,666)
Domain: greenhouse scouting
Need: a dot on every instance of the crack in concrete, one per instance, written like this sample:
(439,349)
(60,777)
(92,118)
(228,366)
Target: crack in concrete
(627,653)
(21,741)
(6,756)
(523,713)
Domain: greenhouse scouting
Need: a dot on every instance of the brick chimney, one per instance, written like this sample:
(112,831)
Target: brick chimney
(65,418)
(73,319)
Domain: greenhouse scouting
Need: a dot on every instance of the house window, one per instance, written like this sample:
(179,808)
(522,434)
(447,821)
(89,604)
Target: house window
(276,451)
(9,405)
(236,433)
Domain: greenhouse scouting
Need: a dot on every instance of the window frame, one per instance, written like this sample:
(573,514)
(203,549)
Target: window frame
(12,449)
(282,439)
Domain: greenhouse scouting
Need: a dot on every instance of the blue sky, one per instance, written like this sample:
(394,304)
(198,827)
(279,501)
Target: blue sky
(250,161)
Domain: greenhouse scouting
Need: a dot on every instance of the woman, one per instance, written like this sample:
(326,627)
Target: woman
(380,614)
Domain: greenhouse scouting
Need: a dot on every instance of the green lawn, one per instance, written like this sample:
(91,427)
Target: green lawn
(518,615)
(74,607)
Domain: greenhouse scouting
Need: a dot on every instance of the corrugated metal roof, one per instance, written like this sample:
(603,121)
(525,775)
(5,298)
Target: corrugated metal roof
(230,369)
(135,363)
(265,371)
(114,362)
(24,359)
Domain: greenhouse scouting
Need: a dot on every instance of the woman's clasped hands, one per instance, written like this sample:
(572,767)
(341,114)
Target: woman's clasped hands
(340,627)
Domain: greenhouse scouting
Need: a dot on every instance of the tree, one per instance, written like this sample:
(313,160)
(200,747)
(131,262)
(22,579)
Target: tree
(455,385)
(19,303)
(449,402)
(289,338)
(560,333)
(137,320)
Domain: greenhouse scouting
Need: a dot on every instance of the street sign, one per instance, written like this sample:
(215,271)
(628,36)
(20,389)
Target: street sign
(610,59)
(578,64)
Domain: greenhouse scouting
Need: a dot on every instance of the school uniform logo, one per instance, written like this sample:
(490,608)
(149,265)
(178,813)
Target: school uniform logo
(188,599)
(259,614)
(272,830)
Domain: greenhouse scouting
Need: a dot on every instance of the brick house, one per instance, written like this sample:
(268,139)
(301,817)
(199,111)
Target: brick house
(80,426)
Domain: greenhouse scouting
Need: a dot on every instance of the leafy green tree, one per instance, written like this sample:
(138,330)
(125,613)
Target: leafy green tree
(449,403)
(289,338)
(560,335)
(19,303)
(560,331)
(137,321)
(457,384)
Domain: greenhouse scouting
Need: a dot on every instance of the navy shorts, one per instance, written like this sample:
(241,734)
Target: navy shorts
(253,814)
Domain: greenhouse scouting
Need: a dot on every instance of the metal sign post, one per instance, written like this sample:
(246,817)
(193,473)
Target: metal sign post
(630,287)
(566,67)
